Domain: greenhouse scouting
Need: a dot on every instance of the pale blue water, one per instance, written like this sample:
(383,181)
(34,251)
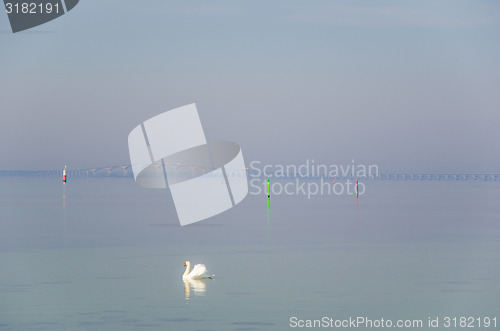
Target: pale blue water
(109,256)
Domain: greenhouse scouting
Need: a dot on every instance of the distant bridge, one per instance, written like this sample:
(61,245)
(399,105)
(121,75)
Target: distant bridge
(124,171)
(429,176)
(179,169)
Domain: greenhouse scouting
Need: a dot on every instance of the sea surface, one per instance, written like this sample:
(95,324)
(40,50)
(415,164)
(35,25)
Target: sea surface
(105,254)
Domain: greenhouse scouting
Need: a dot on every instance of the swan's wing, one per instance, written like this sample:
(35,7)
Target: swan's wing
(198,271)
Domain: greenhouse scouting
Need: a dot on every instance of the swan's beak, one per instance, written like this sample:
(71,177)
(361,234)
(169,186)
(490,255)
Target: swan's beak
(184,264)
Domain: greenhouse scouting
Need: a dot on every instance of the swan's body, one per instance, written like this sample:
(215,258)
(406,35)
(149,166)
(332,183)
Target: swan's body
(198,271)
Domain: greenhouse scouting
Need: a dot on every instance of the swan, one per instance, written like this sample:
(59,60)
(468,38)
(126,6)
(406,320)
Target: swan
(198,271)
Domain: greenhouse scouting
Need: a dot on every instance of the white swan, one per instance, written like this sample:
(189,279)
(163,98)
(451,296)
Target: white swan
(198,271)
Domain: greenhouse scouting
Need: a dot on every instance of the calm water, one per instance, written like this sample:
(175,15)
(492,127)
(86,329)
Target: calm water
(104,254)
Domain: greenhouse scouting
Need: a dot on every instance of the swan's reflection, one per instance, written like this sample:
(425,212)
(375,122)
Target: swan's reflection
(198,286)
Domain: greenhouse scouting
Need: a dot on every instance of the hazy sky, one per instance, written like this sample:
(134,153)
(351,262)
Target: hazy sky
(407,85)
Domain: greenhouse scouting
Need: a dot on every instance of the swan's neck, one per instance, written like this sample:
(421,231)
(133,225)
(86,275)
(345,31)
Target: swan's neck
(186,272)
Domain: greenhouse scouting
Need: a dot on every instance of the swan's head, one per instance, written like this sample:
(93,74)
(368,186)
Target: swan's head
(186,263)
